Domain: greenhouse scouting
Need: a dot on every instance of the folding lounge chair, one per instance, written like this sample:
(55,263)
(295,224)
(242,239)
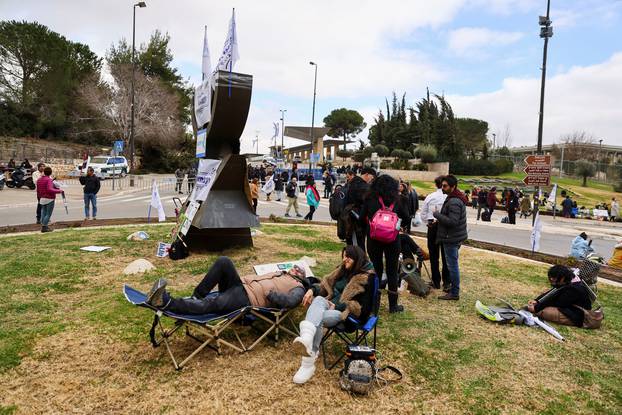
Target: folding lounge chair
(211,326)
(353,331)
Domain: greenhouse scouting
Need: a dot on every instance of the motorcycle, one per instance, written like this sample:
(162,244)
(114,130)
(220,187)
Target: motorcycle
(20,177)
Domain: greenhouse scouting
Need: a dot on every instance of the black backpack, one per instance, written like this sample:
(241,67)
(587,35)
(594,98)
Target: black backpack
(336,204)
(178,250)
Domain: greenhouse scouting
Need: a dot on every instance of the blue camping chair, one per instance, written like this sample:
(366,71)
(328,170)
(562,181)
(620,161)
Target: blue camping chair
(353,331)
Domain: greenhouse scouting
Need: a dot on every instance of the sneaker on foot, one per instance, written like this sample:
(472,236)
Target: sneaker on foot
(155,297)
(449,297)
(298,215)
(396,309)
(286,215)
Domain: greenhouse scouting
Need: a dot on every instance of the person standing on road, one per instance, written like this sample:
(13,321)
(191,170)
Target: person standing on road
(512,206)
(567,207)
(91,187)
(292,197)
(192,178)
(384,196)
(474,197)
(255,193)
(491,201)
(179,176)
(615,209)
(525,206)
(356,189)
(328,185)
(433,203)
(46,192)
(278,187)
(482,197)
(452,231)
(313,198)
(36,175)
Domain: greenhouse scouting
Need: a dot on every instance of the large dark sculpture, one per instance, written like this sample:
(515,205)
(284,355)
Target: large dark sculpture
(225,217)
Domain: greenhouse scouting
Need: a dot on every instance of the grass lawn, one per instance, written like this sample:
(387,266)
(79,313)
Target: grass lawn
(595,192)
(70,343)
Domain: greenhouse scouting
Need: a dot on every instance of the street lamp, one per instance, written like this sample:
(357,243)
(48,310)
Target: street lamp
(140,4)
(546,31)
(600,149)
(282,130)
(313,113)
(494,141)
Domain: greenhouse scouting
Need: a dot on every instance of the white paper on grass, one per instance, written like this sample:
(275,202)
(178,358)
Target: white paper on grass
(282,266)
(205,179)
(94,248)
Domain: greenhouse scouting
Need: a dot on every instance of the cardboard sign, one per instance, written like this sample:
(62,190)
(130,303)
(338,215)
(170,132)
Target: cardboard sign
(201,143)
(282,266)
(162,250)
(205,179)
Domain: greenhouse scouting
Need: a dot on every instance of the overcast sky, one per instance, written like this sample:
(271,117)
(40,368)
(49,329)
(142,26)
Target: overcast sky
(485,55)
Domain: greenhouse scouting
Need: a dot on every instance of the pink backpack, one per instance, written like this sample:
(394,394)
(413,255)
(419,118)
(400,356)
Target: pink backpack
(383,227)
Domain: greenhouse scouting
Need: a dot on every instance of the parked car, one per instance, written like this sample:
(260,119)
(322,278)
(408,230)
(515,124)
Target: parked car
(103,166)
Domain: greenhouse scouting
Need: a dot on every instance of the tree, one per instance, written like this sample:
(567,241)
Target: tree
(344,154)
(344,123)
(427,153)
(585,169)
(382,150)
(577,145)
(472,133)
(40,71)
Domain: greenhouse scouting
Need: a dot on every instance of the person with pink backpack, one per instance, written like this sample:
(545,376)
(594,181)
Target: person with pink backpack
(384,215)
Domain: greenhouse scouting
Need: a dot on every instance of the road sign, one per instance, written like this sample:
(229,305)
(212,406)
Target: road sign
(538,170)
(118,146)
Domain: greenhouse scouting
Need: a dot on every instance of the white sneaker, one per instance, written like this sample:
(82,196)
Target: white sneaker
(306,370)
(304,342)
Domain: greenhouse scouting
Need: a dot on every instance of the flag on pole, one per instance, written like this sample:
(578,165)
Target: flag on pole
(536,232)
(206,64)
(230,54)
(553,194)
(156,202)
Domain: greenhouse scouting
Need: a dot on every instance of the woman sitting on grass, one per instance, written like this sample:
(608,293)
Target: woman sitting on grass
(343,292)
(565,302)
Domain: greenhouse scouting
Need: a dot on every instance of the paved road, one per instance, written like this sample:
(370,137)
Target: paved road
(556,238)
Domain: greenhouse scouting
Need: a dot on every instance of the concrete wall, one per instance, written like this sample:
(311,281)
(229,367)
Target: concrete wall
(439,168)
(423,176)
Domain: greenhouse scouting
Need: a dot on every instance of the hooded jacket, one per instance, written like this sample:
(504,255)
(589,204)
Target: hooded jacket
(452,221)
(580,248)
(616,257)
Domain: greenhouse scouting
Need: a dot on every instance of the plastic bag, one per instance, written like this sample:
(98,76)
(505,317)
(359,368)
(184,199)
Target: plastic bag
(416,221)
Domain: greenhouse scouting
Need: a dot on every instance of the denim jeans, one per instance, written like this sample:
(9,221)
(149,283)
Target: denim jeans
(90,199)
(451,256)
(46,213)
(320,316)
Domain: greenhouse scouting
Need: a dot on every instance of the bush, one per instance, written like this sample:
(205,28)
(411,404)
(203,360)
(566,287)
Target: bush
(385,164)
(344,153)
(405,155)
(426,153)
(359,156)
(382,150)
(504,166)
(396,153)
(618,187)
(368,151)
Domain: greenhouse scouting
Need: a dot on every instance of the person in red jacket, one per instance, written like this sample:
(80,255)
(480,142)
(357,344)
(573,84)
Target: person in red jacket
(46,192)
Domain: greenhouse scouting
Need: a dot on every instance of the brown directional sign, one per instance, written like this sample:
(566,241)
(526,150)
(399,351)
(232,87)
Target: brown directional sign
(538,170)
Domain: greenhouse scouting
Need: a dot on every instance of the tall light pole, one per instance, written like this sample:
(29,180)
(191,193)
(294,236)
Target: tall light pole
(282,130)
(494,141)
(139,4)
(313,113)
(600,149)
(546,31)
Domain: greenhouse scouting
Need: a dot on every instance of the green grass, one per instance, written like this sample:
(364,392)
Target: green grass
(447,353)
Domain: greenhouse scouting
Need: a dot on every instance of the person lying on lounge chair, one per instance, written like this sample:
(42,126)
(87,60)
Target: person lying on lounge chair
(564,303)
(277,289)
(340,294)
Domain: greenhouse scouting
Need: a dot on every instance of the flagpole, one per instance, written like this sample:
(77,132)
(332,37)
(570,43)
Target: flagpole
(204,37)
(149,213)
(232,43)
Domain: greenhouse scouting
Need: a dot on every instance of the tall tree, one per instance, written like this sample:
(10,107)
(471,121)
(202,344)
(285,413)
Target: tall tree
(344,123)
(472,134)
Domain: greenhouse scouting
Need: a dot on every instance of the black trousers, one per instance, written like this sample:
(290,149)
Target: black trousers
(391,253)
(255,206)
(38,211)
(512,216)
(311,212)
(436,251)
(358,236)
(231,293)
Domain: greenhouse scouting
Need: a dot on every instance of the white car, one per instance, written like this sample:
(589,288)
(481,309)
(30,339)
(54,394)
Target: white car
(104,165)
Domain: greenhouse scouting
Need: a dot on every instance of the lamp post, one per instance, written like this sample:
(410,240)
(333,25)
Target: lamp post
(546,31)
(313,113)
(494,141)
(139,4)
(600,148)
(282,129)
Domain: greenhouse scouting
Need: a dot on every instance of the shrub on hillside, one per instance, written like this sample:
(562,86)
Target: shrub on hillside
(426,153)
(382,150)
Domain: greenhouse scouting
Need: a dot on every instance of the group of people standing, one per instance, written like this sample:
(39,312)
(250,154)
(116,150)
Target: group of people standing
(179,179)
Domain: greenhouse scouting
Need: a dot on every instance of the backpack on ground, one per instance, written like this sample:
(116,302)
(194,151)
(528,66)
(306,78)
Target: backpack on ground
(178,250)
(336,204)
(505,219)
(384,226)
(361,371)
(485,217)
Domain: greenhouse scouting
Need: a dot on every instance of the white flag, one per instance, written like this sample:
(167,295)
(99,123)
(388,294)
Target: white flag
(553,194)
(206,64)
(230,54)
(156,202)
(536,232)
(203,103)
(276,129)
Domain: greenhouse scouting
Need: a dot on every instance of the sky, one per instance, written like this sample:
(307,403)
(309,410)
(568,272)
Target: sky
(483,55)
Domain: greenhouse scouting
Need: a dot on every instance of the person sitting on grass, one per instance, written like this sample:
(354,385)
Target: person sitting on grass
(565,302)
(276,289)
(340,294)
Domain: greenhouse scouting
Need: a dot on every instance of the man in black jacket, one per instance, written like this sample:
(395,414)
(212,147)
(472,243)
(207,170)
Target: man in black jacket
(91,187)
(452,231)
(355,190)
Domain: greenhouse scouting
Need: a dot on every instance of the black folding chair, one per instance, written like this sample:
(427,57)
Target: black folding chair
(353,331)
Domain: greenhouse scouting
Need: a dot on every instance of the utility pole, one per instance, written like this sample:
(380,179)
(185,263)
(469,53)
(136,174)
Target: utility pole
(494,141)
(313,113)
(282,130)
(140,4)
(561,165)
(546,31)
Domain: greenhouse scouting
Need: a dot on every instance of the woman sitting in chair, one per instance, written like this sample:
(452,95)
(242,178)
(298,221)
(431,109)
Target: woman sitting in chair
(344,292)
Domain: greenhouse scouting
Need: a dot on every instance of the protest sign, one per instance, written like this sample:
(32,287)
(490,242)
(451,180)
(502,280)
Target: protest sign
(162,250)
(205,179)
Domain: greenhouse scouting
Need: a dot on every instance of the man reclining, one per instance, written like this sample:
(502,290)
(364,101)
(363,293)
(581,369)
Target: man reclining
(277,289)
